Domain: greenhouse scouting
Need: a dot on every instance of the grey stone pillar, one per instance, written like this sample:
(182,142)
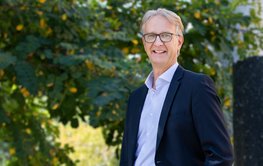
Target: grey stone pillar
(248,112)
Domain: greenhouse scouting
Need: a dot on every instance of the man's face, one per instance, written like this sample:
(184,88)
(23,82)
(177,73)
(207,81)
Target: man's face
(162,55)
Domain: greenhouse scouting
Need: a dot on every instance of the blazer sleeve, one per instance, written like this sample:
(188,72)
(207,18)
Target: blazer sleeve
(124,146)
(210,125)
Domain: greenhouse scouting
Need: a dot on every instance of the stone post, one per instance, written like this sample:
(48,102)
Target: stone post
(248,111)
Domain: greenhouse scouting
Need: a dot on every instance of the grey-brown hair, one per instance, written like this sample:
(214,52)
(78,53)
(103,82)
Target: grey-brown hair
(170,15)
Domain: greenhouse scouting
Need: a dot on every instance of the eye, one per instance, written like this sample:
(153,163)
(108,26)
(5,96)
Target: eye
(151,36)
(165,35)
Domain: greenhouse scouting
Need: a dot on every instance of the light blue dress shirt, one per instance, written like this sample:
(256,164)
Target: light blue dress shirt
(147,134)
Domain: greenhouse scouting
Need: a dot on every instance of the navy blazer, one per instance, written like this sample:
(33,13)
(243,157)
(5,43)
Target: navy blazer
(191,129)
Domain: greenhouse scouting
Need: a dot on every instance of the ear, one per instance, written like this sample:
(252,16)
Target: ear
(143,42)
(180,41)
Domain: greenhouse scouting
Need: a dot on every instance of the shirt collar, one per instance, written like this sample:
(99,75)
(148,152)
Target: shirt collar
(166,76)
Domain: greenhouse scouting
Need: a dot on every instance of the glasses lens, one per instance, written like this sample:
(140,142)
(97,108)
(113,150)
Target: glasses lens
(166,37)
(150,37)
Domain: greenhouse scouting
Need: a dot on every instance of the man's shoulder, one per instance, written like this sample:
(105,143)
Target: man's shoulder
(139,90)
(195,77)
(138,94)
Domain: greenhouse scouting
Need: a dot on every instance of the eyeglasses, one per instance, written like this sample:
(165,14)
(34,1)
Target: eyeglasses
(164,37)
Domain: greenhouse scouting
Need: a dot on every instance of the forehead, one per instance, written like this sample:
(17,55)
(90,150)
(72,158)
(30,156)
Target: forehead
(158,24)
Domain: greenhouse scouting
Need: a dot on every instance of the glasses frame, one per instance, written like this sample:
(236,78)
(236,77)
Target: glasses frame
(159,35)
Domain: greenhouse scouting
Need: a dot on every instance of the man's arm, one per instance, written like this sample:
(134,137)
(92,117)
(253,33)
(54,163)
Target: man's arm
(124,147)
(124,150)
(210,125)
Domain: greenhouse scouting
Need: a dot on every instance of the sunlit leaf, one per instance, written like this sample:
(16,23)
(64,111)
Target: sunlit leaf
(20,27)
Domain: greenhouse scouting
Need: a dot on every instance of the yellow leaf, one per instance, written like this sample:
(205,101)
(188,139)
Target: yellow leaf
(210,20)
(55,161)
(20,27)
(40,93)
(23,7)
(12,151)
(135,42)
(212,33)
(125,50)
(197,15)
(40,73)
(64,17)
(98,113)
(239,42)
(42,1)
(5,35)
(71,52)
(213,38)
(227,102)
(40,13)
(73,90)
(49,31)
(28,131)
(89,65)
(2,73)
(232,140)
(55,106)
(42,23)
(212,71)
(114,112)
(50,84)
(135,50)
(25,92)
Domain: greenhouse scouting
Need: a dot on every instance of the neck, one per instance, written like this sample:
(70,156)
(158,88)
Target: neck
(157,71)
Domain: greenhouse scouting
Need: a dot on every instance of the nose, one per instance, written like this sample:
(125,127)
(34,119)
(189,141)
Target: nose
(158,41)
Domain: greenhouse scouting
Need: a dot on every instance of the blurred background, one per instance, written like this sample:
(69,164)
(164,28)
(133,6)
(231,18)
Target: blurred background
(67,68)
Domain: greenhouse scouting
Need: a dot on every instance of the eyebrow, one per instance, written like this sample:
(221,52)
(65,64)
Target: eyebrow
(176,31)
(157,33)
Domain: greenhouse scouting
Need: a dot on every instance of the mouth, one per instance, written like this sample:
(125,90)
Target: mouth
(159,51)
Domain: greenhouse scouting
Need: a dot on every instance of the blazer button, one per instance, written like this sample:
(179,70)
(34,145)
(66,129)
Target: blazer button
(158,162)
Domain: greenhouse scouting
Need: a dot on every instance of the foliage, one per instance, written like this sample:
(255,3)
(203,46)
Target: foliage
(89,145)
(28,136)
(82,59)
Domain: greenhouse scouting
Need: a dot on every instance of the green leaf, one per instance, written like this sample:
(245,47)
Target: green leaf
(48,54)
(6,59)
(68,46)
(74,123)
(26,76)
(31,44)
(3,117)
(70,60)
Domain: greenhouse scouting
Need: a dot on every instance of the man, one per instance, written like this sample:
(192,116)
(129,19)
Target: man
(174,119)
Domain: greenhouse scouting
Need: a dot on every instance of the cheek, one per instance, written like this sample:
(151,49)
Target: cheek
(147,47)
(171,47)
(174,46)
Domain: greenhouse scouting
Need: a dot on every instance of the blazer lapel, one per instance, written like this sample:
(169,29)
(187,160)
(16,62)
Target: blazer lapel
(137,107)
(168,101)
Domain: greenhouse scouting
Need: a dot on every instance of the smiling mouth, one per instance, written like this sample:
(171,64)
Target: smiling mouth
(158,51)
